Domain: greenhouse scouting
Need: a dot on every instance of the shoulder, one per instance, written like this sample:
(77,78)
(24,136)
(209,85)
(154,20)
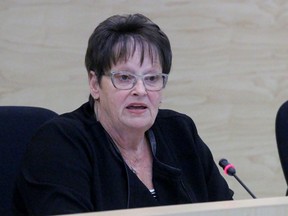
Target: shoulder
(84,115)
(177,127)
(171,114)
(81,118)
(172,118)
(179,131)
(79,126)
(75,132)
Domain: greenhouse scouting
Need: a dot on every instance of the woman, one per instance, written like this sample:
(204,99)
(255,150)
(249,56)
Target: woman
(119,150)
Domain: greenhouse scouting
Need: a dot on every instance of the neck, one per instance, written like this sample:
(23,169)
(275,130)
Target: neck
(134,155)
(134,147)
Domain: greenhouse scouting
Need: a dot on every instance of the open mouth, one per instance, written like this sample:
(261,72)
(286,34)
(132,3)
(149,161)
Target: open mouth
(136,107)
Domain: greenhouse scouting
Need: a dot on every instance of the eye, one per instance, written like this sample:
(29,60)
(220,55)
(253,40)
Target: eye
(153,78)
(123,77)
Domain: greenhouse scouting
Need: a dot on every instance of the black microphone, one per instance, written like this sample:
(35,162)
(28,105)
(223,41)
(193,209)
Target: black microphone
(229,169)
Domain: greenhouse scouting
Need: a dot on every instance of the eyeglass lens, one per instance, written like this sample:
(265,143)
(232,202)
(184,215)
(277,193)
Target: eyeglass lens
(126,80)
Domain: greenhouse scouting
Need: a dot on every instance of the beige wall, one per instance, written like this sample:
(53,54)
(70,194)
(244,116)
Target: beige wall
(229,71)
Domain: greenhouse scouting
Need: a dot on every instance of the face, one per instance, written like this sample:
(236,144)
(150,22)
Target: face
(122,110)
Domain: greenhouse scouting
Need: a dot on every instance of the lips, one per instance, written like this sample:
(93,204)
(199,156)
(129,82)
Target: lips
(137,106)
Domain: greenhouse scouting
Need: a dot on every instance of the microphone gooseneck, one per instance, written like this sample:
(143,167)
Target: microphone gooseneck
(229,169)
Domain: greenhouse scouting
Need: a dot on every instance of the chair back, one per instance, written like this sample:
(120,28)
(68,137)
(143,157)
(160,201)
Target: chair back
(281,131)
(17,126)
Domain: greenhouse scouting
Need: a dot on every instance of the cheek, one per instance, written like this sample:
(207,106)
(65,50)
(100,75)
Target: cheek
(117,100)
(156,99)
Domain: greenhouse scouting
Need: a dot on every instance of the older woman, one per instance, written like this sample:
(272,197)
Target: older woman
(119,150)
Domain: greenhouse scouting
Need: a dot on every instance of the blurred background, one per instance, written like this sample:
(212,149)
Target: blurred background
(229,69)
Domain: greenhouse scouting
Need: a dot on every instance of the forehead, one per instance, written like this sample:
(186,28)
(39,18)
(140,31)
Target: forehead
(137,50)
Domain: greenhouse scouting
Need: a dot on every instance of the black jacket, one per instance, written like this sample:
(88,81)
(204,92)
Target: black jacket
(72,166)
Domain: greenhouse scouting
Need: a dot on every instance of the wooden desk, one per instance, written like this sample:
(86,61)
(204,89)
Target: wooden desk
(277,206)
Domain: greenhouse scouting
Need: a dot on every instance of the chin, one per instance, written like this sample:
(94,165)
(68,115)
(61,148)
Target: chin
(140,125)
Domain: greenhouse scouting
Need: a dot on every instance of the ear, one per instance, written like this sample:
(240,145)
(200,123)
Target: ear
(94,85)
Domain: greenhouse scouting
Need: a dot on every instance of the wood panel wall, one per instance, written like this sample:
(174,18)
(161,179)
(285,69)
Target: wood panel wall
(229,69)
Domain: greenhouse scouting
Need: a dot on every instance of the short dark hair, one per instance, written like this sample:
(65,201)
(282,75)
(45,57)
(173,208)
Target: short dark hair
(113,39)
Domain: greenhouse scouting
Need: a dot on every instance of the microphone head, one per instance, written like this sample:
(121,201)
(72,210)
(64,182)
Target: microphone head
(228,168)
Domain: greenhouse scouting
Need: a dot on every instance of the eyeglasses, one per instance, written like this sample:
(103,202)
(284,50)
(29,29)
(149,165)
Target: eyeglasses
(124,80)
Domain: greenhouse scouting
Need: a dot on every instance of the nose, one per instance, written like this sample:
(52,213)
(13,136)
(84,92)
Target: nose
(139,88)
